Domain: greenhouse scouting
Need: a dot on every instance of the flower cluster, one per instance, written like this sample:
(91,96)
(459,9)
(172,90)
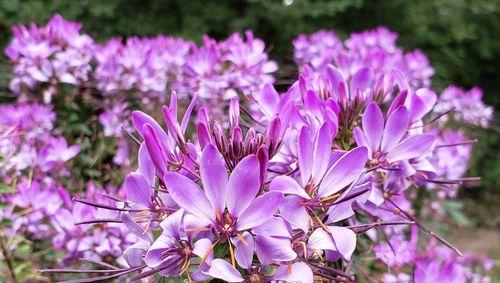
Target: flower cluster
(468,106)
(52,54)
(33,164)
(375,48)
(287,198)
(249,184)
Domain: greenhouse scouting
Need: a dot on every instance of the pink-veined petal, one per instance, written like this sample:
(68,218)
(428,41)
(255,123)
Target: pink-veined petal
(412,147)
(189,196)
(222,269)
(395,128)
(259,211)
(213,174)
(243,185)
(373,125)
(344,171)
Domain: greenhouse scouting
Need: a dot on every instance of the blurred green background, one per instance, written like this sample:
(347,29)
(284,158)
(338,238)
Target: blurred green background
(461,37)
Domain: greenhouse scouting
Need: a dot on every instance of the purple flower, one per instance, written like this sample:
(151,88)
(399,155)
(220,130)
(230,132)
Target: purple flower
(387,141)
(468,106)
(228,206)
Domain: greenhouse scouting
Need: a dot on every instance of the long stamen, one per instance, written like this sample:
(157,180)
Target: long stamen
(98,221)
(207,253)
(425,229)
(242,239)
(231,253)
(104,206)
(198,229)
(458,143)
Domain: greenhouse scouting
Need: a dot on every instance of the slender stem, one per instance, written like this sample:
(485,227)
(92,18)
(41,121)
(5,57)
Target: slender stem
(425,229)
(8,260)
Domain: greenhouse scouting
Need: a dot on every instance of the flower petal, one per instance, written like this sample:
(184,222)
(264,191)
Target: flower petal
(259,211)
(213,174)
(222,269)
(298,272)
(275,227)
(244,251)
(243,185)
(373,125)
(189,196)
(294,213)
(156,150)
(361,79)
(320,240)
(201,247)
(287,185)
(322,151)
(271,249)
(305,155)
(138,190)
(344,239)
(412,147)
(344,171)
(395,128)
(155,255)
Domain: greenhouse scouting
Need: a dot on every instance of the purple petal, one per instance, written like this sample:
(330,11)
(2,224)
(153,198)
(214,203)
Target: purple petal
(133,254)
(412,147)
(322,151)
(298,272)
(287,185)
(305,155)
(361,140)
(361,79)
(259,211)
(395,128)
(201,247)
(399,100)
(138,190)
(275,227)
(135,228)
(155,149)
(345,240)
(222,269)
(172,225)
(340,212)
(271,249)
(320,240)
(421,102)
(244,251)
(139,119)
(344,171)
(294,213)
(146,166)
(373,125)
(268,100)
(213,174)
(334,76)
(155,255)
(189,196)
(243,185)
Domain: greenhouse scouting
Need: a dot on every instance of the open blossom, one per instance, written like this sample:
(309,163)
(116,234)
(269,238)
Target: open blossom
(468,106)
(450,159)
(56,51)
(375,48)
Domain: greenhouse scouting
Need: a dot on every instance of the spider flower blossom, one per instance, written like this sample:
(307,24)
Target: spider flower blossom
(374,48)
(55,53)
(468,106)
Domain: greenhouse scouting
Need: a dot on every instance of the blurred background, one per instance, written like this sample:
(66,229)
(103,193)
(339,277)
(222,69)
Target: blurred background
(461,38)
